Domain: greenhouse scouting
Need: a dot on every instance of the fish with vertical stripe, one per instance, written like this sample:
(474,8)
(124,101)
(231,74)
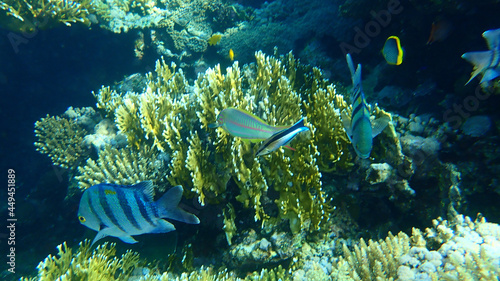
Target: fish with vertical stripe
(358,126)
(122,211)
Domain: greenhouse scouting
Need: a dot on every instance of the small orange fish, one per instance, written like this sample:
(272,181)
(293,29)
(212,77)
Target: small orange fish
(439,31)
(231,54)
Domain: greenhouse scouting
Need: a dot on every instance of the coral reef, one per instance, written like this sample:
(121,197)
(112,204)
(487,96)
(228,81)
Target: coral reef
(168,122)
(250,250)
(466,251)
(29,15)
(459,249)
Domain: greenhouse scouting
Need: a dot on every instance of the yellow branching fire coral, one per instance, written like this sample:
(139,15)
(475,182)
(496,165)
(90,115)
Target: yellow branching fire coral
(61,139)
(102,263)
(28,15)
(87,264)
(124,166)
(172,117)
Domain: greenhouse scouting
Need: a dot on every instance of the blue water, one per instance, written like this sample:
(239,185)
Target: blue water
(60,67)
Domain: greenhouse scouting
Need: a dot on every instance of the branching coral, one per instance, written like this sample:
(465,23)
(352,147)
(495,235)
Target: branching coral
(87,264)
(103,264)
(28,15)
(125,166)
(267,88)
(467,251)
(168,117)
(61,139)
(375,260)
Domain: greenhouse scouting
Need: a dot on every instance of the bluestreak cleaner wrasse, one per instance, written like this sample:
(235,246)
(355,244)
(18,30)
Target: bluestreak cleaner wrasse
(122,211)
(358,127)
(392,51)
(487,62)
(281,138)
(243,124)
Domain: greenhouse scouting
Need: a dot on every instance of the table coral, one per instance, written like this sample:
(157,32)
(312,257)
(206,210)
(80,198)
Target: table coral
(124,166)
(61,139)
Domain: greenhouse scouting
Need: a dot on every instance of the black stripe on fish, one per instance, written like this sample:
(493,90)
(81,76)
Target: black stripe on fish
(92,209)
(154,207)
(281,134)
(142,208)
(358,108)
(103,201)
(124,204)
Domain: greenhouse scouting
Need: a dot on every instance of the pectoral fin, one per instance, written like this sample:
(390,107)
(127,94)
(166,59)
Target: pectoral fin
(101,234)
(128,239)
(378,125)
(163,226)
(213,125)
(346,121)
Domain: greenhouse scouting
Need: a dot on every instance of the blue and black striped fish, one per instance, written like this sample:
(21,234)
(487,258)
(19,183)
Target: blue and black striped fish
(358,127)
(123,211)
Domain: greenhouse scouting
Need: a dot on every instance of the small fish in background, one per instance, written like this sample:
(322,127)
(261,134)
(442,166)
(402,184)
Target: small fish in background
(440,30)
(486,63)
(231,54)
(392,51)
(281,138)
(358,127)
(243,124)
(212,41)
(122,211)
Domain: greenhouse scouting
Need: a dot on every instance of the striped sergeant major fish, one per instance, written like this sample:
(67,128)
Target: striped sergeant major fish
(281,138)
(122,211)
(358,127)
(487,62)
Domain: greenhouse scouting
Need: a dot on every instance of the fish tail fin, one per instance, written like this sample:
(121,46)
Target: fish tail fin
(355,74)
(299,124)
(168,207)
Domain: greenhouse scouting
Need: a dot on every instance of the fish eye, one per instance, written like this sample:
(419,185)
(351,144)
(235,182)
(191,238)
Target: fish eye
(81,219)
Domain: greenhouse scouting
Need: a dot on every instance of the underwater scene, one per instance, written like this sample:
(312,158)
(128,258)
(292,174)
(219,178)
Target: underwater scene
(250,140)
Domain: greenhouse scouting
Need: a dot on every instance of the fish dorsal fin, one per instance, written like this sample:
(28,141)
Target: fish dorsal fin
(492,38)
(378,125)
(146,187)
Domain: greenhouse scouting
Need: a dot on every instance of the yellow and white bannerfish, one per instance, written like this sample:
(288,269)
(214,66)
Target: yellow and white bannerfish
(358,127)
(486,63)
